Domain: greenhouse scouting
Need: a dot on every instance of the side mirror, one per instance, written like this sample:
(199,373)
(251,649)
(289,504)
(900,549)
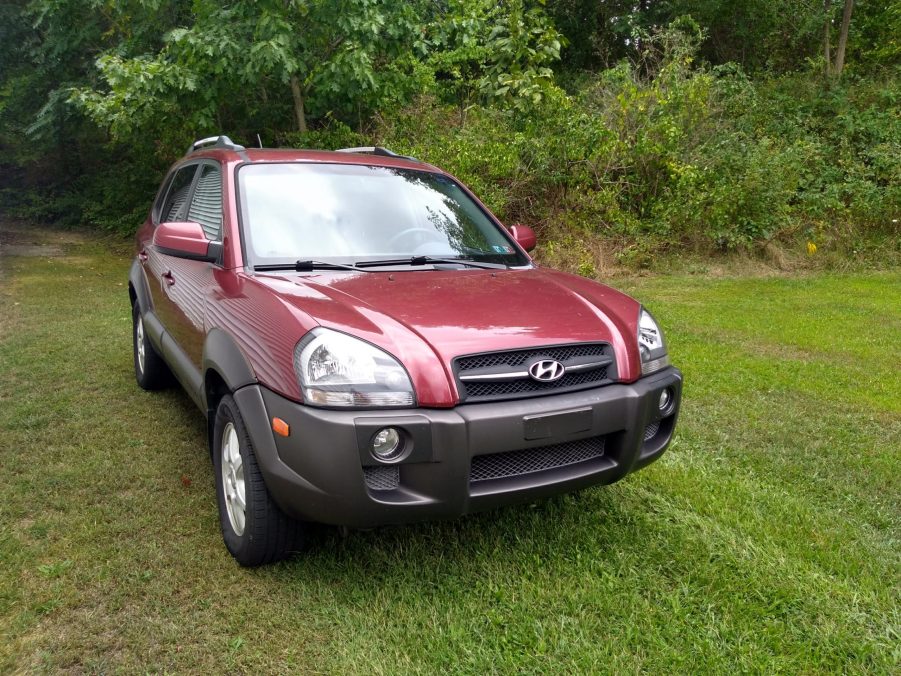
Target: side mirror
(185,240)
(524,236)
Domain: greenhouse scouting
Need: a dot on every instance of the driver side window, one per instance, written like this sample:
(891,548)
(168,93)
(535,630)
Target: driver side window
(174,206)
(206,204)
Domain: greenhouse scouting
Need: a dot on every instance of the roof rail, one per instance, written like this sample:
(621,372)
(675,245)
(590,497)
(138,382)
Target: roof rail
(376,150)
(215,142)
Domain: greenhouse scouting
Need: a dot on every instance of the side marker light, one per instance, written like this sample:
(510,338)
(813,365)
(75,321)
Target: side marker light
(280,427)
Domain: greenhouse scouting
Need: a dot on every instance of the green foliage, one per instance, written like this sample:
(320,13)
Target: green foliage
(668,152)
(596,32)
(235,64)
(331,135)
(716,132)
(876,33)
(142,91)
(502,52)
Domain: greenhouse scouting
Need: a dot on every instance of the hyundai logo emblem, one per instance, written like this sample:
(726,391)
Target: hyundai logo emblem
(547,370)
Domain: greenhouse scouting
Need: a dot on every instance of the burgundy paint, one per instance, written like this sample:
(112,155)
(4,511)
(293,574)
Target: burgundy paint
(424,317)
(524,236)
(186,237)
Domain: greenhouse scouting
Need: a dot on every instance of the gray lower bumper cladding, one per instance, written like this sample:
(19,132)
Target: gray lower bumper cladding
(456,460)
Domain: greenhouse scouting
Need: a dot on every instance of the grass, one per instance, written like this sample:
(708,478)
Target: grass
(766,539)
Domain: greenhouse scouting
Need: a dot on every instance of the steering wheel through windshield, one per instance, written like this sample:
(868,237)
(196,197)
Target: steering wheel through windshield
(422,236)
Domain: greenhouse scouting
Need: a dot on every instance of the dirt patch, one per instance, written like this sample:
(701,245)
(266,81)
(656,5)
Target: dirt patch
(31,250)
(16,241)
(21,239)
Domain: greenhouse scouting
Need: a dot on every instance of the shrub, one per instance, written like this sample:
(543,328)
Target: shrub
(668,153)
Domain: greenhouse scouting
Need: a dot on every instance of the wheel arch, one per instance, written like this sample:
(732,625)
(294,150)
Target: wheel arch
(137,287)
(225,370)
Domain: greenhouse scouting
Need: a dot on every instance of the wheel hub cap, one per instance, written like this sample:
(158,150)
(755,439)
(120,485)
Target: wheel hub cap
(233,479)
(139,339)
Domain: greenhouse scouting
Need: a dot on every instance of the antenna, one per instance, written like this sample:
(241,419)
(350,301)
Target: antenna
(259,141)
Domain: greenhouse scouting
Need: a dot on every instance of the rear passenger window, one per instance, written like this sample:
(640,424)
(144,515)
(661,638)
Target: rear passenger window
(173,208)
(206,207)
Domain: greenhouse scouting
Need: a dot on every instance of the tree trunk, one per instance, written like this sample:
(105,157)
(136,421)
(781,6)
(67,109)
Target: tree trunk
(827,29)
(298,104)
(843,39)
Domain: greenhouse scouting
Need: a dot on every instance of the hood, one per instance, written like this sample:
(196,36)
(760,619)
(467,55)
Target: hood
(418,315)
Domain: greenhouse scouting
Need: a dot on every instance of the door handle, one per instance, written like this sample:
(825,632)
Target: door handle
(167,275)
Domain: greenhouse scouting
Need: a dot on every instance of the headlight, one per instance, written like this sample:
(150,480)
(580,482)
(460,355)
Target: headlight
(335,369)
(650,344)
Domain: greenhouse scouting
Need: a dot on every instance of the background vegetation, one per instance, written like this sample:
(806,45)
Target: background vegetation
(631,125)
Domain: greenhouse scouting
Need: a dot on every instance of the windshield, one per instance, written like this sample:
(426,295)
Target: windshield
(354,213)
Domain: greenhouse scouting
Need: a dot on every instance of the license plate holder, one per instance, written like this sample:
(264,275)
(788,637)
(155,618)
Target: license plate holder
(549,425)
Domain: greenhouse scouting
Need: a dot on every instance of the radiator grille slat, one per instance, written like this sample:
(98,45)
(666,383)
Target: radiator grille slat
(518,361)
(513,358)
(532,460)
(490,389)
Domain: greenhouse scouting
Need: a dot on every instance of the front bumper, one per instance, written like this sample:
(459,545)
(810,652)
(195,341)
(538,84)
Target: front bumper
(457,460)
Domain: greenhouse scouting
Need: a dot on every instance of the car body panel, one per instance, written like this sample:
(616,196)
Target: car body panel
(329,463)
(426,318)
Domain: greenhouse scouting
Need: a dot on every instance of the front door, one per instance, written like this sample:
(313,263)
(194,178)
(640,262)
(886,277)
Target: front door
(180,286)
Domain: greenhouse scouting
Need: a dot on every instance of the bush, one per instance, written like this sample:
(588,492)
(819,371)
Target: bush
(671,154)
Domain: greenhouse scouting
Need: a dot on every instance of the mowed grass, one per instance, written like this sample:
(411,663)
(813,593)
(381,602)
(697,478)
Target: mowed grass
(766,539)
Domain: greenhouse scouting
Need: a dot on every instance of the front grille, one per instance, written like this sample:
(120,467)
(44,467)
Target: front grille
(561,353)
(525,386)
(531,460)
(651,430)
(382,477)
(518,361)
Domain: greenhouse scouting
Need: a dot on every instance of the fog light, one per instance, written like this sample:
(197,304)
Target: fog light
(666,398)
(386,444)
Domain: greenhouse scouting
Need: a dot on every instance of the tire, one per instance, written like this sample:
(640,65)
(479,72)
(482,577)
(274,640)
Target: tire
(151,371)
(260,533)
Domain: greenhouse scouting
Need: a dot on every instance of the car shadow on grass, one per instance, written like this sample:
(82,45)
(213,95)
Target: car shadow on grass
(525,539)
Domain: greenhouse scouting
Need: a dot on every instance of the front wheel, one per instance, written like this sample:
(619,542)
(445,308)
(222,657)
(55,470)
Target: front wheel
(254,529)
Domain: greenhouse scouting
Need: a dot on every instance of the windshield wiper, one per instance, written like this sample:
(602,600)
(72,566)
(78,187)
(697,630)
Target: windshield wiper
(307,266)
(429,260)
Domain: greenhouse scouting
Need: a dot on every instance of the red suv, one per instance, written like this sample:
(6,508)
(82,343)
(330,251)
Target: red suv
(370,345)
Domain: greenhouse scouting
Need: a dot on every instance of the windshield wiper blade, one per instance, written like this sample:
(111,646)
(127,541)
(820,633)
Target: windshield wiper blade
(429,260)
(307,266)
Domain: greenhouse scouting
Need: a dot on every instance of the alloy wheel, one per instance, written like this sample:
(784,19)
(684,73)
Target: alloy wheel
(233,479)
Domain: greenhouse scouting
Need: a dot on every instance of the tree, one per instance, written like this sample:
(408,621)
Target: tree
(501,53)
(835,68)
(250,59)
(876,34)
(843,38)
(598,32)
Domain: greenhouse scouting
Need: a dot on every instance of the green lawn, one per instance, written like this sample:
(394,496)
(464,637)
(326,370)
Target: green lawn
(766,539)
